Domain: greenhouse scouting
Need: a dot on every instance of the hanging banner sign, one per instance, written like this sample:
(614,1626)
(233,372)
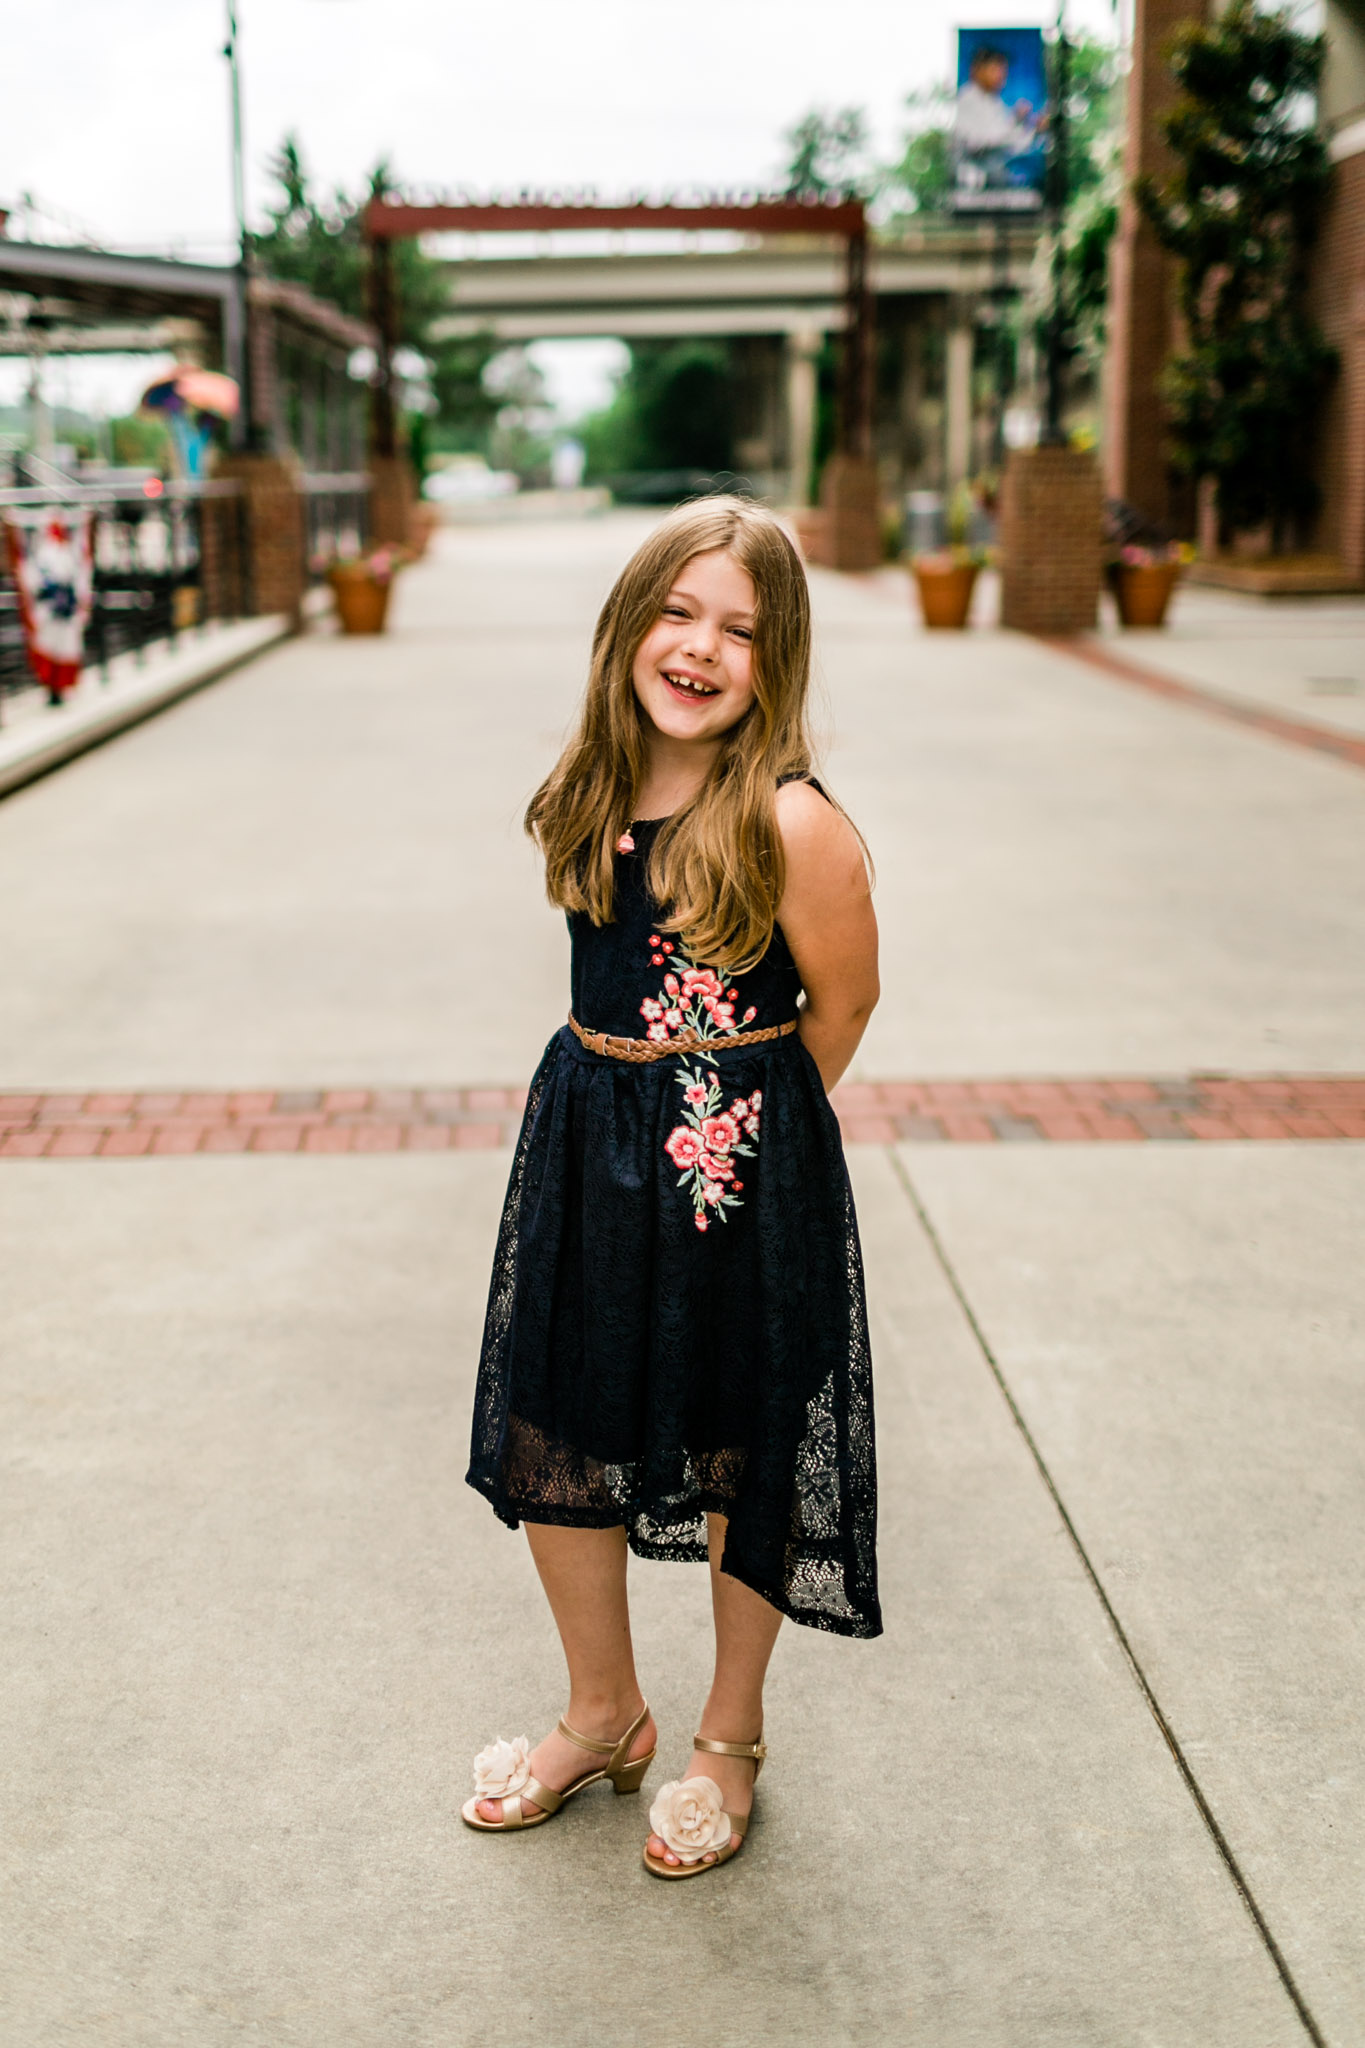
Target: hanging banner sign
(52,560)
(999,121)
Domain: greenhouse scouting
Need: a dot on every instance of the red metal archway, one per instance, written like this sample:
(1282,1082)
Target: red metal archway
(391,219)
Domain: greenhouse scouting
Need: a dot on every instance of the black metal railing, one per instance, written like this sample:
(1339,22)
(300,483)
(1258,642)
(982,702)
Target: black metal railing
(336,511)
(168,557)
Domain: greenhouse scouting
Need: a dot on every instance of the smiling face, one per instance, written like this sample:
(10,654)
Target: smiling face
(990,72)
(693,670)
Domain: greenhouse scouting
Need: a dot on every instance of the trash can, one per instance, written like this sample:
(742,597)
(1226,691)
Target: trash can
(925,528)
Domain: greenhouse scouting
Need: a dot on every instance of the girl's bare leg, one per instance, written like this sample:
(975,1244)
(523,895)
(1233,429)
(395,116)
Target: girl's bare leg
(746,1630)
(583,1572)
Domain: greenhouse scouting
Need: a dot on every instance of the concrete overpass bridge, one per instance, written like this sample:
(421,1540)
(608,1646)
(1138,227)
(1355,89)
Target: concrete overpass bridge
(777,299)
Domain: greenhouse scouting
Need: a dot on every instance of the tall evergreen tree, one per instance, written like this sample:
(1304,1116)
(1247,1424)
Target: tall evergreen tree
(827,152)
(322,246)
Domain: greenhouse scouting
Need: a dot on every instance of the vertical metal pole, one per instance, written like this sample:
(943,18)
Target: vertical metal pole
(383,312)
(857,365)
(237,317)
(867,359)
(235,353)
(1058,192)
(1000,278)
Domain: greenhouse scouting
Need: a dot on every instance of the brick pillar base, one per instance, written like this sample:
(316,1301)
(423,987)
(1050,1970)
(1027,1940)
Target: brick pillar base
(851,534)
(1050,541)
(393,493)
(223,568)
(275,527)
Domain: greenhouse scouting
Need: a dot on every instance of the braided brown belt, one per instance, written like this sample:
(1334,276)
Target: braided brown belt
(643,1050)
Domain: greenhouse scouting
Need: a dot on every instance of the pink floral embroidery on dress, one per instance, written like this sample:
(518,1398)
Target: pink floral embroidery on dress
(709,1141)
(706,1144)
(694,999)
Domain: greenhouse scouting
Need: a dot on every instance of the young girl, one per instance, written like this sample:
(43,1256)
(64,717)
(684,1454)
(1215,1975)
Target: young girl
(676,1358)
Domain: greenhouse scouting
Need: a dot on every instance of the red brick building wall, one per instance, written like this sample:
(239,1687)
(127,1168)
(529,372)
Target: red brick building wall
(1339,290)
(1141,305)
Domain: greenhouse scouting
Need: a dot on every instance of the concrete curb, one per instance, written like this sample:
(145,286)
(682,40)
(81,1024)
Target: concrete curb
(41,744)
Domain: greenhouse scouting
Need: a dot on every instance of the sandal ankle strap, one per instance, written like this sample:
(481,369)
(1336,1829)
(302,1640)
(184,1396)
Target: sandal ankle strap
(584,1741)
(754,1751)
(596,1745)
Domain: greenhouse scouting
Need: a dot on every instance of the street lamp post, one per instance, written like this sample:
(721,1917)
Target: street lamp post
(1058,192)
(242,430)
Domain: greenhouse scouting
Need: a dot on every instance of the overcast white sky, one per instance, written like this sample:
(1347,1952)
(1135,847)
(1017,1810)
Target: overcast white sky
(115,111)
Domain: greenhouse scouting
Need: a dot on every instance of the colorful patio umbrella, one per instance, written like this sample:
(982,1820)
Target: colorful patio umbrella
(191,399)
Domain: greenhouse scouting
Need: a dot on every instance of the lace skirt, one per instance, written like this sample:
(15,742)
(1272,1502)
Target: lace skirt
(676,1324)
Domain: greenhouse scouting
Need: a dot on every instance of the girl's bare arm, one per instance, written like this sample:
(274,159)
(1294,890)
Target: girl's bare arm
(826,914)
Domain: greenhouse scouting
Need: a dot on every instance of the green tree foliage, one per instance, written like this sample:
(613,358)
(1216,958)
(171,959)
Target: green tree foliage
(521,438)
(1090,214)
(320,244)
(673,410)
(141,441)
(1094,105)
(1087,231)
(465,408)
(827,152)
(1240,213)
(920,179)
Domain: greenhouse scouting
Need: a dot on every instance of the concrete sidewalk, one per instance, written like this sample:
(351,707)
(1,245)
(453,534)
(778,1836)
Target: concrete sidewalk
(38,737)
(1098,1785)
(1301,657)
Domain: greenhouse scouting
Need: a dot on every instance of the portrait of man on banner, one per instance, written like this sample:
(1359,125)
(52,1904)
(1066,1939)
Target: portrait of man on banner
(999,121)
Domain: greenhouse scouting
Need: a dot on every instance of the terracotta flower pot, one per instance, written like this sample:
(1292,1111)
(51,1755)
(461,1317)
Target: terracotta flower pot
(945,591)
(423,521)
(362,598)
(1142,591)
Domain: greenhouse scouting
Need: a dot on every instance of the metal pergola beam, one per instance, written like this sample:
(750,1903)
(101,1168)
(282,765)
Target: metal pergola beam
(394,219)
(390,220)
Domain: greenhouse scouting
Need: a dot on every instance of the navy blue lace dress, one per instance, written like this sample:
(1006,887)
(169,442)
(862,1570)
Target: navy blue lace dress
(676,1321)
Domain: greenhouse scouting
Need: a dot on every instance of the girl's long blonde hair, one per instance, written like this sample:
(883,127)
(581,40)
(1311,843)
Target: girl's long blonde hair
(716,867)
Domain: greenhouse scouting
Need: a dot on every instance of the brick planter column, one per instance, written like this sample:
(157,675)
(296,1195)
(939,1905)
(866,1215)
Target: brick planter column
(1050,541)
(275,529)
(849,498)
(223,590)
(393,494)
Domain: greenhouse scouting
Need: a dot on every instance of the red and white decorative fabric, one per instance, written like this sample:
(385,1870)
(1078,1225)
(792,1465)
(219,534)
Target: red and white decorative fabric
(51,555)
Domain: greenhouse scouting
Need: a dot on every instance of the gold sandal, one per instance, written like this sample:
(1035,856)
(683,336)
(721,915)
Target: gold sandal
(503,1771)
(689,1816)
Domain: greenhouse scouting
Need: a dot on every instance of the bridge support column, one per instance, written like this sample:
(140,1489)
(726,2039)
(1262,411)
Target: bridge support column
(957,450)
(803,348)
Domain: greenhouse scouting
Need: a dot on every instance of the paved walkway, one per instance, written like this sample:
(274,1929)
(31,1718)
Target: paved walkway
(254,1626)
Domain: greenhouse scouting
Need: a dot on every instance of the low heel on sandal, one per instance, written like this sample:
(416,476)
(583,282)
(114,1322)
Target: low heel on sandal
(756,1752)
(633,1776)
(517,1789)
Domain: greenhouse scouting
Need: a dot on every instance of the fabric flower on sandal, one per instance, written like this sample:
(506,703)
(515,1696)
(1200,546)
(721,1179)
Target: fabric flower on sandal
(502,1769)
(689,1819)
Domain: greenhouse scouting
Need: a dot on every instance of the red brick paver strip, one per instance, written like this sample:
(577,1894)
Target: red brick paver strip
(1079,1110)
(1295,732)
